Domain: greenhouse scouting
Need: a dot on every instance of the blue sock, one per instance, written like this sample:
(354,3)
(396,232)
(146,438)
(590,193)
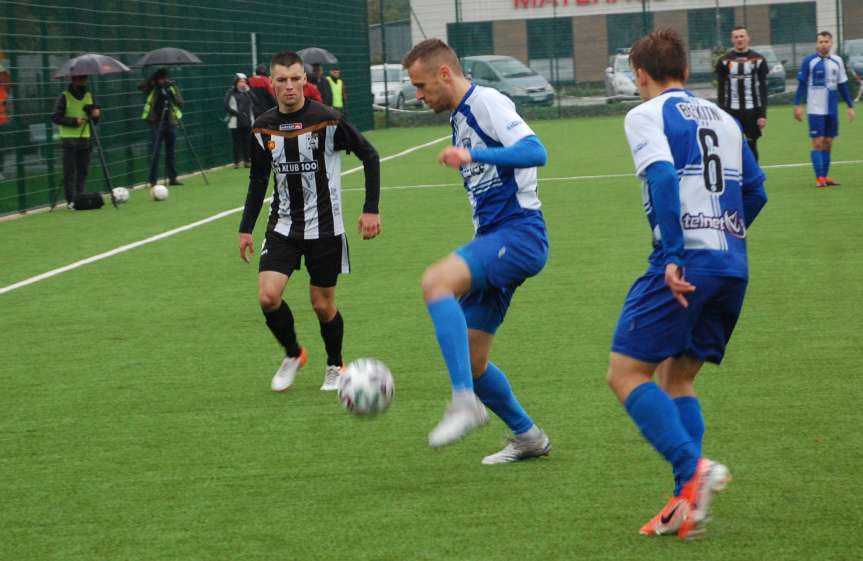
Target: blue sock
(817,162)
(693,422)
(451,331)
(657,417)
(494,391)
(825,163)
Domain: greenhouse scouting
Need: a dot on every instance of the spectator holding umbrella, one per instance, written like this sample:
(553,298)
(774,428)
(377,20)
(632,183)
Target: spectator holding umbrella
(71,110)
(238,105)
(162,112)
(162,108)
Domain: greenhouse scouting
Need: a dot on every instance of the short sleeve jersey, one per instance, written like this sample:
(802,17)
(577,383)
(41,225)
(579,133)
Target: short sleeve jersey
(705,146)
(822,76)
(485,118)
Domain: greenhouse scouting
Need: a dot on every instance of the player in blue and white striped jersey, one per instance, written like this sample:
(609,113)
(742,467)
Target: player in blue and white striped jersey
(702,188)
(497,155)
(821,80)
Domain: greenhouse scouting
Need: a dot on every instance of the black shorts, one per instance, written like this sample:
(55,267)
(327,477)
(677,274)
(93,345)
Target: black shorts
(325,258)
(749,120)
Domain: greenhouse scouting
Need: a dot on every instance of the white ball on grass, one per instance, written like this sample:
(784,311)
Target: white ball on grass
(366,387)
(159,192)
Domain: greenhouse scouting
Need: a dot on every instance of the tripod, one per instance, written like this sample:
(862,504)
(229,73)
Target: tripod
(105,173)
(169,106)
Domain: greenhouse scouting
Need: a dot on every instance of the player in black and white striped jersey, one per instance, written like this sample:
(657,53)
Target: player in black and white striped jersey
(742,86)
(298,141)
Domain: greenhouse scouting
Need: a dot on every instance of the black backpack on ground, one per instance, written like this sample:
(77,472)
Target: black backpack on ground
(89,201)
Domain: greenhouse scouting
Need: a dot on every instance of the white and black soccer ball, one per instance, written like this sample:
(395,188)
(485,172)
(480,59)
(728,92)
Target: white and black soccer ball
(366,387)
(159,192)
(121,194)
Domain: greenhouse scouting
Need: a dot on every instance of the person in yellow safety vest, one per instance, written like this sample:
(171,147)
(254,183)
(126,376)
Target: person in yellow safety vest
(162,112)
(338,89)
(70,112)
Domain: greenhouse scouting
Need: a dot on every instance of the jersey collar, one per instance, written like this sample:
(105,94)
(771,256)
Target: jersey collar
(461,104)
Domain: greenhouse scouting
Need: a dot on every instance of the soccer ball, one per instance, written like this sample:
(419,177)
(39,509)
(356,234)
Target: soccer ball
(366,387)
(159,192)
(121,194)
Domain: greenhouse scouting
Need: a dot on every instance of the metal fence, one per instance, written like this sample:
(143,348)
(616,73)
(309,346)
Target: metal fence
(228,35)
(578,46)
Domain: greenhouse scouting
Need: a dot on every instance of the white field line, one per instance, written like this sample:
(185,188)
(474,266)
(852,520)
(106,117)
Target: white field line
(169,233)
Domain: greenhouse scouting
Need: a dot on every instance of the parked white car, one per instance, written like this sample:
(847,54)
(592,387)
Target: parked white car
(619,78)
(386,91)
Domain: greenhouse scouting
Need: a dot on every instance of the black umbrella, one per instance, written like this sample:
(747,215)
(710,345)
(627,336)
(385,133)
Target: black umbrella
(316,55)
(90,64)
(167,56)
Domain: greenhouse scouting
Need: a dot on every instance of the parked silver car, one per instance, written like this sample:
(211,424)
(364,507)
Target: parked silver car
(510,77)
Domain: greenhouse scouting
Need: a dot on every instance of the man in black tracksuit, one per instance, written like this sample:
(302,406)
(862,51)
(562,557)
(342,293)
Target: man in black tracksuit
(298,143)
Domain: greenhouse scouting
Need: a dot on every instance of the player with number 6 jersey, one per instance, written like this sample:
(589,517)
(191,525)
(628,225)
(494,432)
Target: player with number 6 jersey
(701,188)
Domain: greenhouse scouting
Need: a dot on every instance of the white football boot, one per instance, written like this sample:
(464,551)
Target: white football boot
(286,373)
(532,444)
(331,378)
(464,413)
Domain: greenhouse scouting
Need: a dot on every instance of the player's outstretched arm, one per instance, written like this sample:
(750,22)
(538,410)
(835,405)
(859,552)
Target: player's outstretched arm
(799,98)
(762,89)
(665,196)
(369,225)
(752,187)
(350,139)
(526,153)
(259,175)
(845,93)
(800,94)
(247,246)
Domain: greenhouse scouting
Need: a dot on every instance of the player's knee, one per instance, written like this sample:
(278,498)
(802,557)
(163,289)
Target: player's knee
(432,284)
(611,377)
(324,309)
(478,366)
(269,301)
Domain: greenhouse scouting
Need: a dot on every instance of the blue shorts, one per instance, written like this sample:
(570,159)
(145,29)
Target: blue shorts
(823,125)
(653,326)
(499,262)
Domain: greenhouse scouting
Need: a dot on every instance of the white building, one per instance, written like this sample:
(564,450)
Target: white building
(580,34)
